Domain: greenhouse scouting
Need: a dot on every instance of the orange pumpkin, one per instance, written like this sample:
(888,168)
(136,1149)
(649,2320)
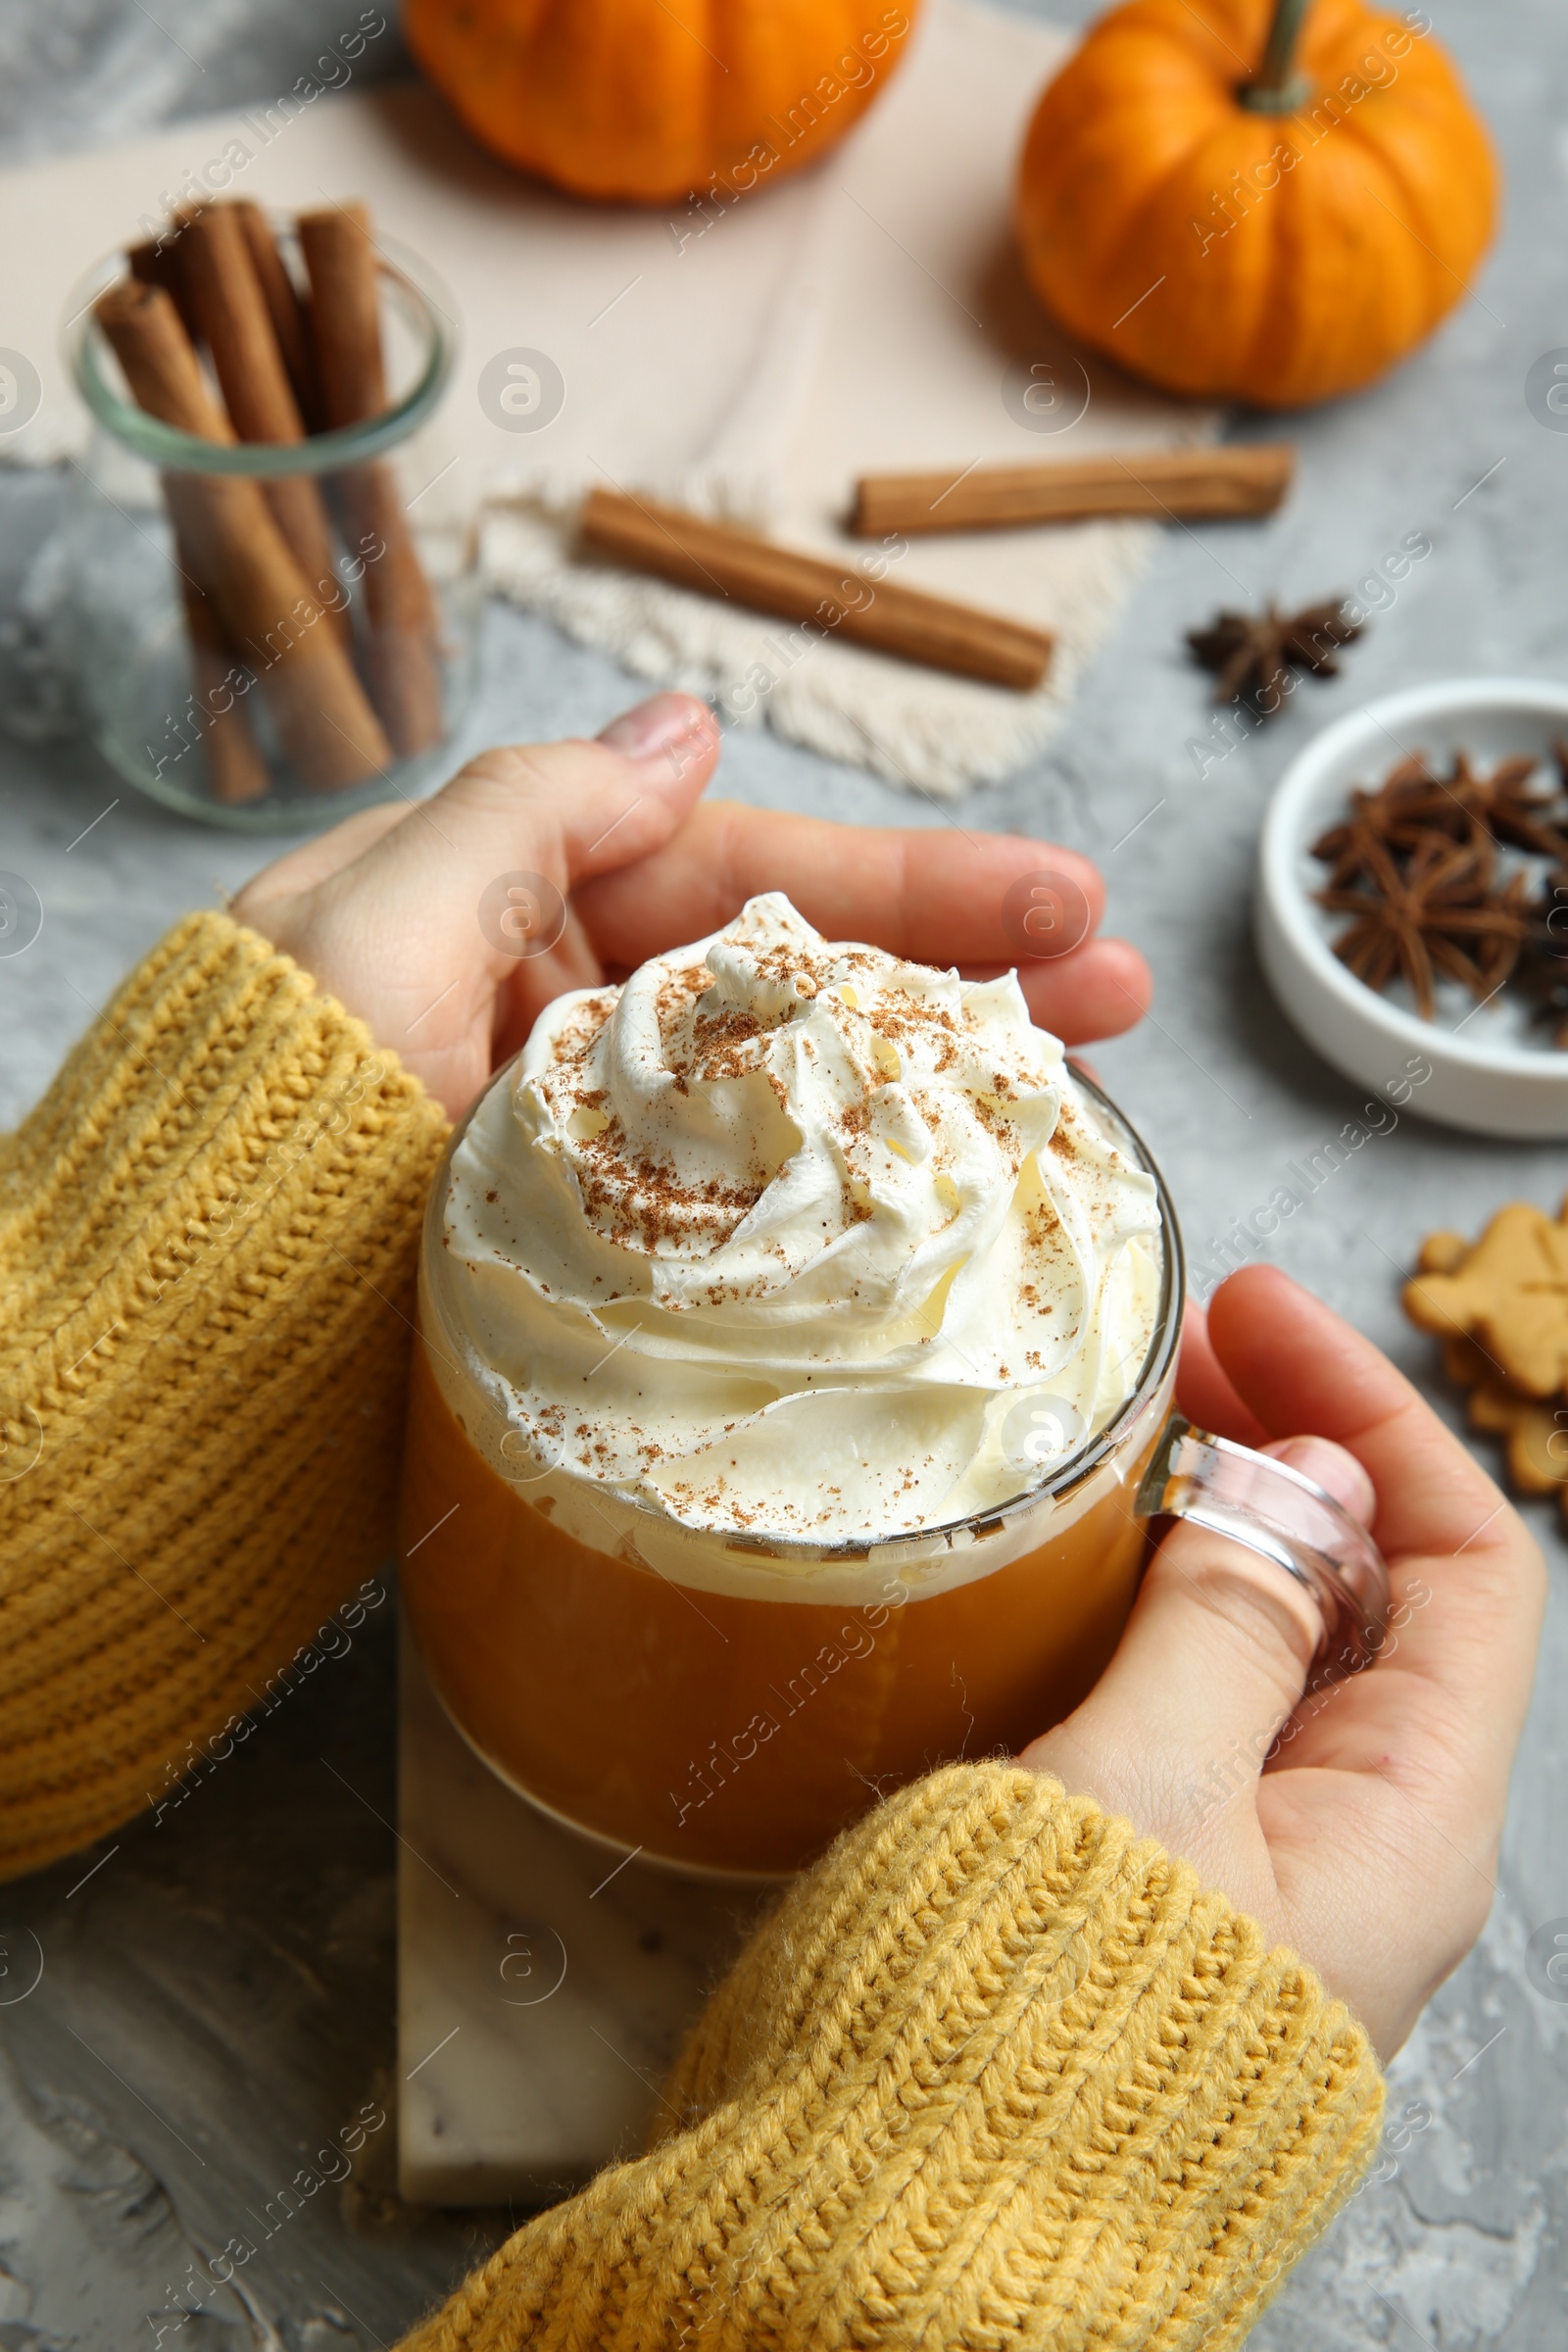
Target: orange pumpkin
(1269,203)
(655,99)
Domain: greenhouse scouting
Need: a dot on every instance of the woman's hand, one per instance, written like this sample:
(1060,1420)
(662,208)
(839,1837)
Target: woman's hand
(389,913)
(1369,1839)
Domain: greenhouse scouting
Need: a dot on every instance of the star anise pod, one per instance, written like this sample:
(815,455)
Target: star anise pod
(1436,914)
(1508,803)
(1499,943)
(1253,655)
(1394,814)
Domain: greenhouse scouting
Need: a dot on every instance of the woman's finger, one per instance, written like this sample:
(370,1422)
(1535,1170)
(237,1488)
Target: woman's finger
(1100,990)
(1469,1582)
(1220,1644)
(319,859)
(562,809)
(1203,1391)
(935,896)
(536,981)
(538,818)
(1174,1734)
(1332,1467)
(1301,1366)
(425,932)
(1215,1655)
(582,809)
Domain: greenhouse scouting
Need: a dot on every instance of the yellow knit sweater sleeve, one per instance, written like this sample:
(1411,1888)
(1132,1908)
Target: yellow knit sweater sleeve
(208,1237)
(997,2073)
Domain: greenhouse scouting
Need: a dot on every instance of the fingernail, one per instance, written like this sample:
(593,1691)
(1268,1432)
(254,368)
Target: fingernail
(664,723)
(1333,1468)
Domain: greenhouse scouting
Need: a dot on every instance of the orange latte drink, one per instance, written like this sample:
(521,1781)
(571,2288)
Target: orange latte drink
(795,1329)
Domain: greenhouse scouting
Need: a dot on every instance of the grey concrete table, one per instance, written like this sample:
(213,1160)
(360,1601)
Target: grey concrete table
(219,1997)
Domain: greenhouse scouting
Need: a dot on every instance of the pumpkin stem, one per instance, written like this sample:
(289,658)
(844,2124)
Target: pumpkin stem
(1275,88)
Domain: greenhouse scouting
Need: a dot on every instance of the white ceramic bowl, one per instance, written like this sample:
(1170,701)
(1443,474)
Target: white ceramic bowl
(1491,1070)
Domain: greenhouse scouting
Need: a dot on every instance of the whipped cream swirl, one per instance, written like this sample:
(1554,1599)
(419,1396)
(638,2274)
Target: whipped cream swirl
(787,1237)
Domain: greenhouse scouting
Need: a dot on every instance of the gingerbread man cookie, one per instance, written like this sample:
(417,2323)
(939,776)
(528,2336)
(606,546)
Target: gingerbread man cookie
(1537,1435)
(1508,1297)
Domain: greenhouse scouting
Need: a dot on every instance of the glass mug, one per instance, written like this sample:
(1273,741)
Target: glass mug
(725,1703)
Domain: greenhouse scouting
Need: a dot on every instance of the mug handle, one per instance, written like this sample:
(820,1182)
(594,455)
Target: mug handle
(1284,1517)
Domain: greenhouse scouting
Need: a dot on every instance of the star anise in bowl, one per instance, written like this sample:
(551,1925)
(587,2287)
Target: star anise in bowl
(1509,803)
(1253,654)
(1431,869)
(1398,816)
(1436,911)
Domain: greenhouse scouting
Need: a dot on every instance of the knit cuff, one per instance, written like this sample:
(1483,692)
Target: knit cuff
(1135,2115)
(997,2073)
(207,1237)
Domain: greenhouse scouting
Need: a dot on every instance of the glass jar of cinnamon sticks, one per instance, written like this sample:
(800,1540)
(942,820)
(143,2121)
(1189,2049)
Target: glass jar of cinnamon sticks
(274,582)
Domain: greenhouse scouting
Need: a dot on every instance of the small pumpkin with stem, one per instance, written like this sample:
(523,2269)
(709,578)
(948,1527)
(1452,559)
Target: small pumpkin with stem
(652,100)
(1264,200)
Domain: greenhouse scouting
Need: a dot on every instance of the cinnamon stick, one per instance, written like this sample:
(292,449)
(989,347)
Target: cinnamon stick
(715,559)
(228,307)
(239,556)
(235,768)
(284,308)
(403,648)
(157,264)
(1241,478)
(341,260)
